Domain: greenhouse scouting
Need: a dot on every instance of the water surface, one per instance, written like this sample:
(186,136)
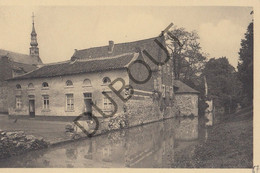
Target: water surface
(162,144)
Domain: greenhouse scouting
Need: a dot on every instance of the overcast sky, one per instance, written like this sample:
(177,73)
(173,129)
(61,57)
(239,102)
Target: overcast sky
(62,29)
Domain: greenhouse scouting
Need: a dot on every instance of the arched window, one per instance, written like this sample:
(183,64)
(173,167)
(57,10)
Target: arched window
(30,86)
(87,82)
(106,80)
(69,83)
(18,86)
(45,85)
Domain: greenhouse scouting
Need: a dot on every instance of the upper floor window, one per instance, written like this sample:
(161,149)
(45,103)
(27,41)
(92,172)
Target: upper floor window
(18,86)
(87,82)
(30,86)
(106,80)
(69,83)
(45,85)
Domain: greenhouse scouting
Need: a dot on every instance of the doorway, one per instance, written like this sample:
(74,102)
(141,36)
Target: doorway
(32,108)
(88,101)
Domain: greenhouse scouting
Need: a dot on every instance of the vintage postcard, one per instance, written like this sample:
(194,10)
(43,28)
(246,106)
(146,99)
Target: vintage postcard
(116,85)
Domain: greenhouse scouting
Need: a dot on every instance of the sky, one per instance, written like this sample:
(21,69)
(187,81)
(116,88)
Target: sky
(62,29)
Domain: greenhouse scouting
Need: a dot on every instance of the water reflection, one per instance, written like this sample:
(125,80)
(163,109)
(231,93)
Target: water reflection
(209,117)
(162,144)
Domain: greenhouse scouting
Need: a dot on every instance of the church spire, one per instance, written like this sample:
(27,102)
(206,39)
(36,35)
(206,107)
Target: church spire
(34,50)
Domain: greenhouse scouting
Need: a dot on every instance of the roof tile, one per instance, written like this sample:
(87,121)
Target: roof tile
(80,66)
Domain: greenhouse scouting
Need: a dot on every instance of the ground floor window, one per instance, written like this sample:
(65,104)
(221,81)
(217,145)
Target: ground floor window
(18,101)
(107,104)
(163,91)
(46,102)
(69,102)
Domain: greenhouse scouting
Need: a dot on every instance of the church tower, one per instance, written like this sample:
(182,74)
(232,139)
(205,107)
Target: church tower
(34,50)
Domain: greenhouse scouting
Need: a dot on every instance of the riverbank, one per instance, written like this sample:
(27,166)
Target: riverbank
(55,132)
(16,143)
(50,131)
(229,143)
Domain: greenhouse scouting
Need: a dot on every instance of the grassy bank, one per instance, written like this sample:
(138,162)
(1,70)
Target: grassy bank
(229,143)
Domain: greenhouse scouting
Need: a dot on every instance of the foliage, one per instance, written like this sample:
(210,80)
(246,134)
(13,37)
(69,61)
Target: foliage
(188,58)
(189,61)
(245,66)
(223,85)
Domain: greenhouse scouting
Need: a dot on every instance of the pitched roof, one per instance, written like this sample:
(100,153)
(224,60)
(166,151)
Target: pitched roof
(81,66)
(7,67)
(148,44)
(183,88)
(22,67)
(21,58)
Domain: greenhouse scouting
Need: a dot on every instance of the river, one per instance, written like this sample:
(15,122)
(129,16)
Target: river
(161,144)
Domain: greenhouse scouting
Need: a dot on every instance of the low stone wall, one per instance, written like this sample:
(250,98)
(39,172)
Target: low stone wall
(15,143)
(142,111)
(136,112)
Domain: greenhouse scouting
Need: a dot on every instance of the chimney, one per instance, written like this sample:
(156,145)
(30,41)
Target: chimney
(110,46)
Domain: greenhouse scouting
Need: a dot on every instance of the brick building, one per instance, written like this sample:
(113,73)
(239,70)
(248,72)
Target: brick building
(68,88)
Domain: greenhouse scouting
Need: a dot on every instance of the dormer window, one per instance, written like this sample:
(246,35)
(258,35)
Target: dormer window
(69,83)
(45,85)
(106,81)
(18,87)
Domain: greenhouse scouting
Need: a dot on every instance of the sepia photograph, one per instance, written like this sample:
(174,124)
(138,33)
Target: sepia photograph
(105,86)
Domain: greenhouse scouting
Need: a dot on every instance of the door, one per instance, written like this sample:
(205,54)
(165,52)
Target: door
(32,108)
(87,101)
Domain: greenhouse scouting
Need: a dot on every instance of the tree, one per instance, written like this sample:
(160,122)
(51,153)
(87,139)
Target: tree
(188,58)
(188,61)
(245,65)
(223,85)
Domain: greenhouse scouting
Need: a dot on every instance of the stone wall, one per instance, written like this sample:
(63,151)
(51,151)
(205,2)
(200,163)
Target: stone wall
(187,104)
(143,110)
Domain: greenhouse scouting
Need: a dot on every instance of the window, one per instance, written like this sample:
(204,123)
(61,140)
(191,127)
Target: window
(87,82)
(18,101)
(45,85)
(69,102)
(69,83)
(106,80)
(107,103)
(30,86)
(168,69)
(87,95)
(164,69)
(18,86)
(171,91)
(163,91)
(155,83)
(129,91)
(46,102)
